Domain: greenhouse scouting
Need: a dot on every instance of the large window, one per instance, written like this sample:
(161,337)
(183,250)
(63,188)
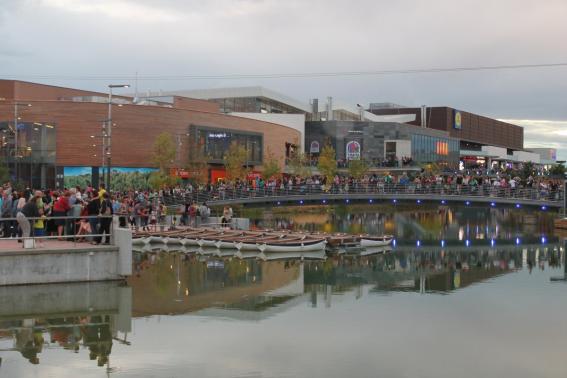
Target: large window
(32,160)
(214,144)
(429,149)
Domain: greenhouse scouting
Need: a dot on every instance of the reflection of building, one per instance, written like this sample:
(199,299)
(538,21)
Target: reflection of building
(63,127)
(168,284)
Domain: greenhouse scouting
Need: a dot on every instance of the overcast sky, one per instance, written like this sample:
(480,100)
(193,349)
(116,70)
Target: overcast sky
(104,38)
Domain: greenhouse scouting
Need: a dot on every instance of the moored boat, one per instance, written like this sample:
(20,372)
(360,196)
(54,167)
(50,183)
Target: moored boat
(375,241)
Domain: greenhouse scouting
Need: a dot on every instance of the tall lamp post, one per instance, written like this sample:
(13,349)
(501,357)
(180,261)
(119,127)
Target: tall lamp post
(108,153)
(16,147)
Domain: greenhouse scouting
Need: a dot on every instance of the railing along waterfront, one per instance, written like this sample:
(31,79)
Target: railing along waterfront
(70,223)
(526,196)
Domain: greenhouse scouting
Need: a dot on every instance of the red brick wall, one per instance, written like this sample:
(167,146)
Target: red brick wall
(135,131)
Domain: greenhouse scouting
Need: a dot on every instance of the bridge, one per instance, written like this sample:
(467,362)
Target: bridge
(492,196)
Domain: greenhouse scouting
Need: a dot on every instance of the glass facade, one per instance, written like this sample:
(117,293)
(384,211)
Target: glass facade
(32,161)
(254,105)
(429,149)
(214,144)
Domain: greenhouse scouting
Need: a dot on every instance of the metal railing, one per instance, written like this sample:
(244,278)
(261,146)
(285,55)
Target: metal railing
(12,228)
(380,189)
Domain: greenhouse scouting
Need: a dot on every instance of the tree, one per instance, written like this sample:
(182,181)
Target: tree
(357,168)
(235,159)
(299,165)
(198,165)
(164,152)
(158,180)
(271,166)
(327,164)
(528,169)
(557,170)
(4,172)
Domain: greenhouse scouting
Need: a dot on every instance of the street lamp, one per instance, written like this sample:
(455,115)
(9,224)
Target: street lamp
(108,153)
(16,149)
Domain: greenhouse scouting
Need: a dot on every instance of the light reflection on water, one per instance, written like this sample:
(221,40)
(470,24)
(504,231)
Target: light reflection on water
(489,311)
(414,222)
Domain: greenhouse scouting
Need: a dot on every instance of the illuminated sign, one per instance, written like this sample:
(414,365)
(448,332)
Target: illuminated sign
(314,148)
(353,150)
(457,120)
(217,135)
(442,148)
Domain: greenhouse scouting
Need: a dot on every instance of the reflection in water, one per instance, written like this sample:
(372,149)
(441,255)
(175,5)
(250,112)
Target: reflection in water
(70,317)
(186,307)
(417,222)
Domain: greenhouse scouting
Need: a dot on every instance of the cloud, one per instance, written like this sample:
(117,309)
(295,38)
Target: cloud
(118,9)
(544,134)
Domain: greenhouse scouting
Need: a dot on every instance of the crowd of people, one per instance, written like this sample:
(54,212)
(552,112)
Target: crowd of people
(85,214)
(473,183)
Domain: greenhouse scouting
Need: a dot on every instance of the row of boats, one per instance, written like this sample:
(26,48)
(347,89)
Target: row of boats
(263,241)
(207,252)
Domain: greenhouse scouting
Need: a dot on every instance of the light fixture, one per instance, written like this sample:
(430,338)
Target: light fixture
(49,126)
(92,136)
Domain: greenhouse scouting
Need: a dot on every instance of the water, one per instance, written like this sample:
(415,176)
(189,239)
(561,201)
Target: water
(460,311)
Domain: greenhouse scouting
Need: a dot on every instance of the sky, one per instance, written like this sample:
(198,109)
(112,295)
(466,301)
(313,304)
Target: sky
(91,43)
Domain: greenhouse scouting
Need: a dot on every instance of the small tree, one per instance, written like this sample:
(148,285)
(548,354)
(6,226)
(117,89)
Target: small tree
(4,172)
(299,165)
(528,169)
(235,159)
(357,168)
(164,152)
(327,164)
(158,180)
(271,166)
(197,166)
(557,170)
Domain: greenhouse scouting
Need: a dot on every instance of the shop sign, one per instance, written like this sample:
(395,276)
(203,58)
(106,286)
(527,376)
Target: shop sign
(353,150)
(457,120)
(314,148)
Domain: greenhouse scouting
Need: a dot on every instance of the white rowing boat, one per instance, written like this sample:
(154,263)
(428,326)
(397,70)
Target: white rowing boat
(375,241)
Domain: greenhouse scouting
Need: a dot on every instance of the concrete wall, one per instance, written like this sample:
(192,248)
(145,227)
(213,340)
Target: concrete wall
(59,300)
(50,266)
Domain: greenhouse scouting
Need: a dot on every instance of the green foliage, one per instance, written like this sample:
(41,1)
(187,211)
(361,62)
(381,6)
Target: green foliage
(4,172)
(235,159)
(327,164)
(197,166)
(159,180)
(164,152)
(557,170)
(357,168)
(271,166)
(528,169)
(299,165)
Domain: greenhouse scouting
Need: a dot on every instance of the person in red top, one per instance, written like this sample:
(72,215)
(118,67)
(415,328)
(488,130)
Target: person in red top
(60,208)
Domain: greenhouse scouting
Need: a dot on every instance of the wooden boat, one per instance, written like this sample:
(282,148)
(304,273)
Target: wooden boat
(294,245)
(560,223)
(375,241)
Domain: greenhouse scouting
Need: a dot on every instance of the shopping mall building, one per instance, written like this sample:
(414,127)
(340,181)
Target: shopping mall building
(60,132)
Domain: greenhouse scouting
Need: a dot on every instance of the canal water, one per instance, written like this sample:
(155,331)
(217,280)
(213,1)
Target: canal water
(476,309)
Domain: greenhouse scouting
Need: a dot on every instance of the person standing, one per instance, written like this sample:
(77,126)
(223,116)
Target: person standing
(60,209)
(106,212)
(29,210)
(93,210)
